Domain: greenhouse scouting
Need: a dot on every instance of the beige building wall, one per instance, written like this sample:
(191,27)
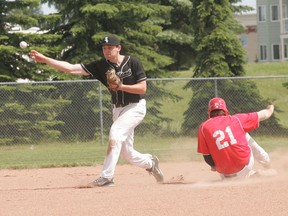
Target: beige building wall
(249,37)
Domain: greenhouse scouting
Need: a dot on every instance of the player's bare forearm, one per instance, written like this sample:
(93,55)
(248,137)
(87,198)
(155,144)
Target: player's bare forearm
(59,65)
(266,113)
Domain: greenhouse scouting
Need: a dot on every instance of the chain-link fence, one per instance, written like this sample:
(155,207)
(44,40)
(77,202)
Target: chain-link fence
(66,123)
(81,110)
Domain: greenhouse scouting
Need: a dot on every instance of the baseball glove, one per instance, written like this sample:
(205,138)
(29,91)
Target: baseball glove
(113,79)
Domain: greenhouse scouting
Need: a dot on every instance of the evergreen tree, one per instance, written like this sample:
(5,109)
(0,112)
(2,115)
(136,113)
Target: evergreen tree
(10,16)
(177,37)
(136,23)
(28,113)
(15,62)
(25,110)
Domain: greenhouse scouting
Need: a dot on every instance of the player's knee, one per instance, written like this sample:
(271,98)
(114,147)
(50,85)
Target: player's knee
(111,145)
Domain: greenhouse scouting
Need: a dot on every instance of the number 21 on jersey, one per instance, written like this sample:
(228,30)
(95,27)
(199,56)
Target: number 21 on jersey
(221,135)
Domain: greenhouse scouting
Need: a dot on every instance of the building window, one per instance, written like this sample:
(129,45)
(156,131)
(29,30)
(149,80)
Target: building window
(262,13)
(276,51)
(274,13)
(263,52)
(285,51)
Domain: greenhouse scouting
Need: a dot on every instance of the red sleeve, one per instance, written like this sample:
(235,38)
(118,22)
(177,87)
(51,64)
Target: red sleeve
(249,121)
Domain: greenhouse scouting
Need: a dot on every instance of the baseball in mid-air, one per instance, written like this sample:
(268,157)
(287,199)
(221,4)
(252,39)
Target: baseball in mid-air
(23,44)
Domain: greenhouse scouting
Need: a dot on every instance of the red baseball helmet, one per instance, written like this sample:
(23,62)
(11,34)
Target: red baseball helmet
(217,104)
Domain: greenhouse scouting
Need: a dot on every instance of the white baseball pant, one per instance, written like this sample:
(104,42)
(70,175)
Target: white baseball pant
(258,154)
(121,139)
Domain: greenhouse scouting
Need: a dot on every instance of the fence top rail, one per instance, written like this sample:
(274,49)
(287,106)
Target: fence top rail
(152,79)
(223,78)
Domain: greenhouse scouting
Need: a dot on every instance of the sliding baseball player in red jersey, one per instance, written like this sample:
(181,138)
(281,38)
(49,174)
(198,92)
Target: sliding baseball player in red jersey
(225,143)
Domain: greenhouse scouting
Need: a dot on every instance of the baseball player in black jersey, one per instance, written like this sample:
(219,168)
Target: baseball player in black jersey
(129,105)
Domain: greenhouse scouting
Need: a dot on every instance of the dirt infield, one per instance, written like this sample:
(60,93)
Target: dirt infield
(190,189)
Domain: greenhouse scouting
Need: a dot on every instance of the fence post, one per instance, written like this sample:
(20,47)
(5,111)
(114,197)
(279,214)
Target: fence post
(216,87)
(101,114)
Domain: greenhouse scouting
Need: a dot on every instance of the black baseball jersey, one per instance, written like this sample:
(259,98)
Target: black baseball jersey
(131,71)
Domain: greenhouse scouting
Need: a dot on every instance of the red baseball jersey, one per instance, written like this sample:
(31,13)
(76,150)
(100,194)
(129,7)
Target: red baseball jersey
(223,137)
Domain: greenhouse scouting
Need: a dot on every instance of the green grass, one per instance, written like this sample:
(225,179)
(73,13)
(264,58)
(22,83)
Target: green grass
(50,155)
(267,69)
(271,144)
(174,110)
(91,153)
(252,69)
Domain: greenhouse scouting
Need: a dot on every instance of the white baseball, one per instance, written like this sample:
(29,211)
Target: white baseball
(23,44)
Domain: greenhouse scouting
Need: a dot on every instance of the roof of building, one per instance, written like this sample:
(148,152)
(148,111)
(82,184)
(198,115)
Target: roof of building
(247,19)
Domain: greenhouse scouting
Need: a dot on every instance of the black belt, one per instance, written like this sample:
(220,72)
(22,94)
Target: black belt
(123,105)
(120,105)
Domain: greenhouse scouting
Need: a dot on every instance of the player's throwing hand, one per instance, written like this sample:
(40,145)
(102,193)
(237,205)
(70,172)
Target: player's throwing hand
(36,56)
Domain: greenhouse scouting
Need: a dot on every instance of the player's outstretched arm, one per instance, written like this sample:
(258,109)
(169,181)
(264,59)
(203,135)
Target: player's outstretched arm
(266,113)
(59,65)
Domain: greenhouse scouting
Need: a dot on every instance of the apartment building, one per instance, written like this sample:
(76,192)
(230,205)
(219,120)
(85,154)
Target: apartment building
(272,28)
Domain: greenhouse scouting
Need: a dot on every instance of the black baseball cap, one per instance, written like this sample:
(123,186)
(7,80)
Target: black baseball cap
(110,40)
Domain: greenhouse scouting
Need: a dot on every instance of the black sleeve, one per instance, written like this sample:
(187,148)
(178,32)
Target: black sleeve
(97,70)
(138,69)
(209,160)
